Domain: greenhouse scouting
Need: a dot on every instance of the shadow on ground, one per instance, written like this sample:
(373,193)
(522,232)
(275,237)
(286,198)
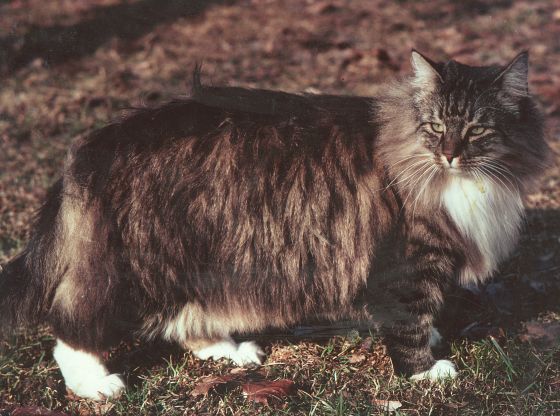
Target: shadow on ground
(59,43)
(527,286)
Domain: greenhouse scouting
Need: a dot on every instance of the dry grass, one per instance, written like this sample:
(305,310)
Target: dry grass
(337,377)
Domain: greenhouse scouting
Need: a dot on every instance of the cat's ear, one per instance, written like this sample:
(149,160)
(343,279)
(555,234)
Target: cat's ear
(425,71)
(513,78)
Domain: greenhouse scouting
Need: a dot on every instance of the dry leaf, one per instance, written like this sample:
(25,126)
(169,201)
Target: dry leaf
(216,383)
(477,330)
(387,405)
(545,334)
(267,391)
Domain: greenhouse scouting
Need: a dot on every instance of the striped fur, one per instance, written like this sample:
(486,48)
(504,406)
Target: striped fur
(236,210)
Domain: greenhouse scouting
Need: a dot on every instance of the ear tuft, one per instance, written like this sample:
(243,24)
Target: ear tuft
(514,76)
(425,72)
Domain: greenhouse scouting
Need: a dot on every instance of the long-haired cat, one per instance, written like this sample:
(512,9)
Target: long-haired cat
(236,210)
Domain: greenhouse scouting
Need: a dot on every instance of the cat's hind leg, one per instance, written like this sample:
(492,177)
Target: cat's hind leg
(243,354)
(85,374)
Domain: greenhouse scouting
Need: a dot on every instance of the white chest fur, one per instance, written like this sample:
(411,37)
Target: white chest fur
(487,214)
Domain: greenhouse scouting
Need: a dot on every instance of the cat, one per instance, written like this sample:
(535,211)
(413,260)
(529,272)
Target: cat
(234,210)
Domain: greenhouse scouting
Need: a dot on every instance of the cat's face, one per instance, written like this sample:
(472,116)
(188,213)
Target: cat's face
(476,121)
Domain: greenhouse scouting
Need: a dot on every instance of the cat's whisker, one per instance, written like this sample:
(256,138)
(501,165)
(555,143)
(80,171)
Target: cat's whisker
(412,165)
(503,170)
(504,173)
(492,161)
(409,175)
(404,159)
(507,176)
(490,175)
(417,174)
(488,108)
(417,181)
(484,176)
(406,171)
(514,187)
(434,171)
(481,176)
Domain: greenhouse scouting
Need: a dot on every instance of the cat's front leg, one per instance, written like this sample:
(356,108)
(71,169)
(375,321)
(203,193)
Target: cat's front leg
(409,345)
(417,286)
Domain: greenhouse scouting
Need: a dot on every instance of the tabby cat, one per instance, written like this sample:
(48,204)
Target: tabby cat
(237,210)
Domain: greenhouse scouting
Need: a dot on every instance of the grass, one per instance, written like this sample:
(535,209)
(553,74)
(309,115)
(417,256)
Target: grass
(512,378)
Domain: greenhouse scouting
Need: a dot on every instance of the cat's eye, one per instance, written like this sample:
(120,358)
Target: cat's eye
(477,131)
(438,128)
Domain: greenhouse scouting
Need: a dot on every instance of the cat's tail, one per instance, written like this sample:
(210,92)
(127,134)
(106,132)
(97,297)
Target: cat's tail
(15,302)
(25,280)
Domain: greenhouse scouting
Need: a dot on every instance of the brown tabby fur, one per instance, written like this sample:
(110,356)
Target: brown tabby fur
(235,210)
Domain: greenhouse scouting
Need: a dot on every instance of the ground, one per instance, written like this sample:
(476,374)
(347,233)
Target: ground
(67,67)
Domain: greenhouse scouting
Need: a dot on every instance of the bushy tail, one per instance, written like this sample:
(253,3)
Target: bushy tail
(16,307)
(23,280)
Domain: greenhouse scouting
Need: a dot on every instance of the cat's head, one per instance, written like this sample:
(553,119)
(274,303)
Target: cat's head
(455,119)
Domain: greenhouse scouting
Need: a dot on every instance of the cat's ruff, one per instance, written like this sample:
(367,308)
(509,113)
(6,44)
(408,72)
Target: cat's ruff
(488,214)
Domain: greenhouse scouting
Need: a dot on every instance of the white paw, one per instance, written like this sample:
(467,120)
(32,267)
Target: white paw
(242,354)
(248,353)
(435,337)
(441,370)
(108,387)
(85,374)
(222,349)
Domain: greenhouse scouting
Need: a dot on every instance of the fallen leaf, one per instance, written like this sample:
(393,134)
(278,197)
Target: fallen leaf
(266,391)
(477,330)
(387,405)
(216,383)
(544,334)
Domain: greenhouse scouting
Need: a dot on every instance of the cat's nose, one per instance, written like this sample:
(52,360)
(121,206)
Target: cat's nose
(450,157)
